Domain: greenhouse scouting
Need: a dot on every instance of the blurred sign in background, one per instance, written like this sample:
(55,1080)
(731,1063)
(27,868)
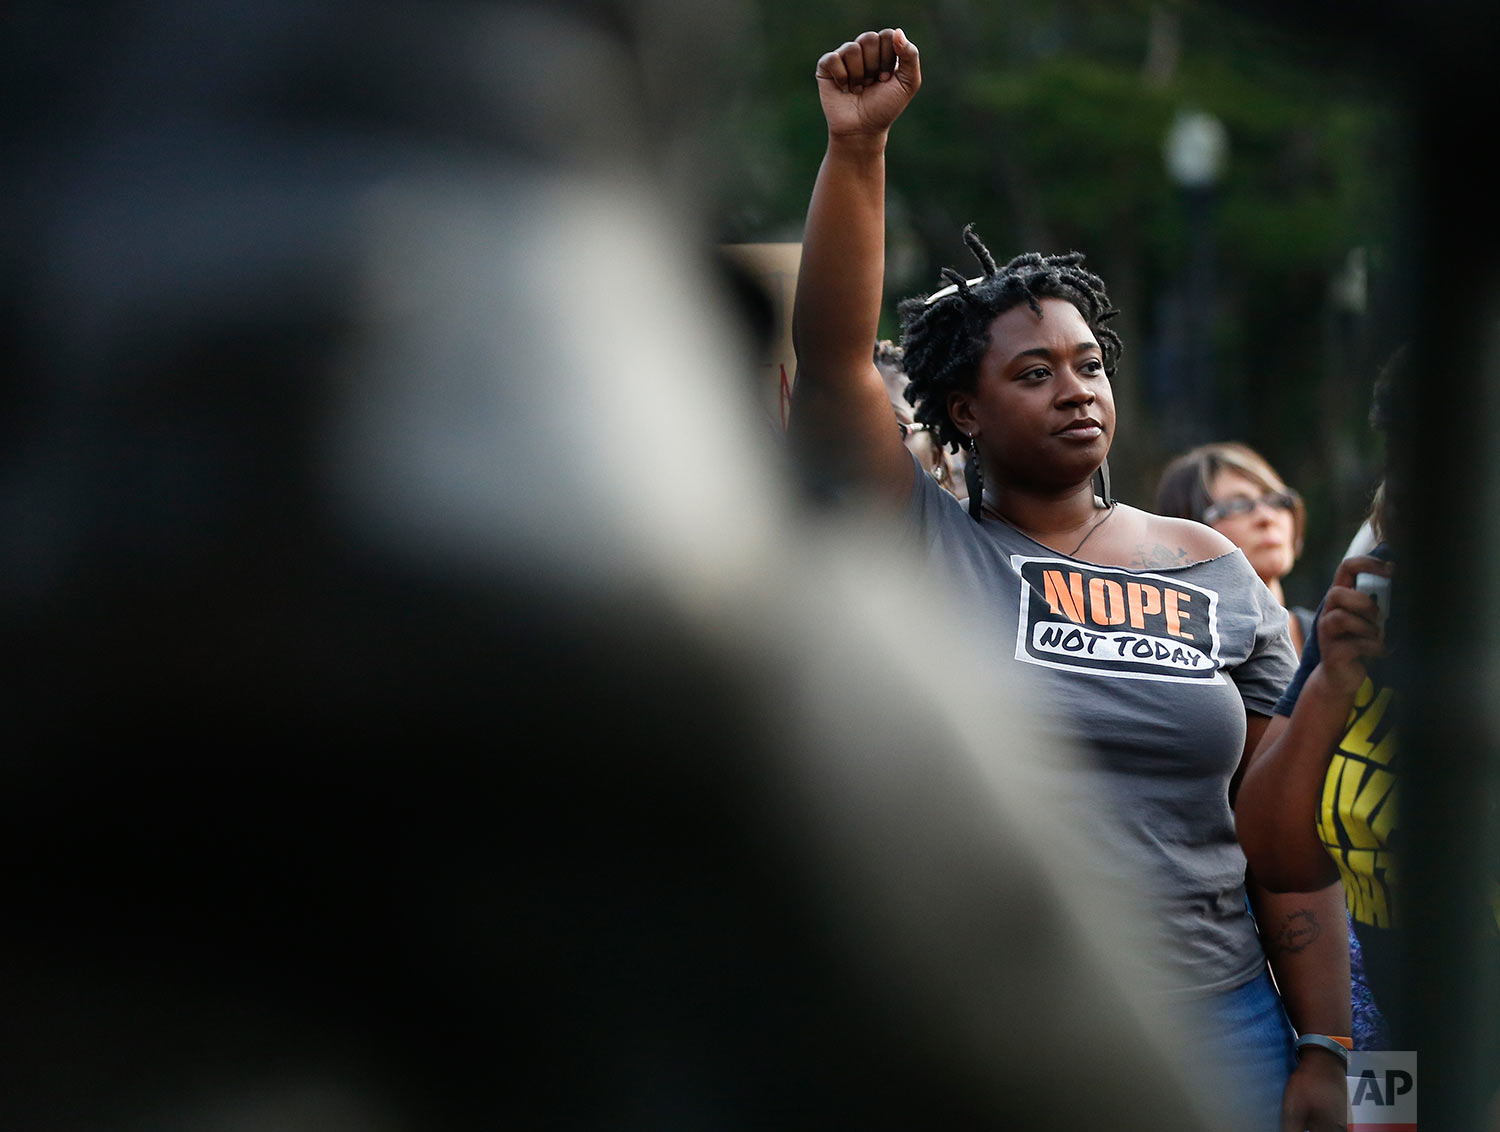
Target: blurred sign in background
(774,269)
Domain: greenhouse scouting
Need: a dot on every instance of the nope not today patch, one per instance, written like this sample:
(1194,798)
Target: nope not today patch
(1117,623)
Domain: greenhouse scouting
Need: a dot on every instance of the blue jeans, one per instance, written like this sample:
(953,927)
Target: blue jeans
(1244,1043)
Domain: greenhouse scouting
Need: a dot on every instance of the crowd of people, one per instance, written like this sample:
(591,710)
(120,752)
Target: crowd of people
(402,740)
(1256,796)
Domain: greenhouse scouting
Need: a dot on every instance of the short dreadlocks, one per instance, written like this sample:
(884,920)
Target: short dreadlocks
(943,336)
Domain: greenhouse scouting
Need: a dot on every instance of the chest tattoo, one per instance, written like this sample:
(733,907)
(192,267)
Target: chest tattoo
(1155,557)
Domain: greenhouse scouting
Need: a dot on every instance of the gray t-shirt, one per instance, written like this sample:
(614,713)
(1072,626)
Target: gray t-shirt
(1151,673)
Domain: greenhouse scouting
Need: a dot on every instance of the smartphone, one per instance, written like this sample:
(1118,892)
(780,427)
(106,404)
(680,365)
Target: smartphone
(1377,586)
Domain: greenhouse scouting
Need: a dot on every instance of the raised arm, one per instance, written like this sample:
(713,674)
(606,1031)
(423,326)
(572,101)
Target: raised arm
(1277,808)
(841,413)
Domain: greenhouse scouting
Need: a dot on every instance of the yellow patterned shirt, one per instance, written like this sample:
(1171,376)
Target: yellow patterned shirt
(1357,815)
(1359,811)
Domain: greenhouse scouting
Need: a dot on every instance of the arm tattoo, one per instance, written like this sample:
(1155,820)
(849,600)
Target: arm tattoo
(1154,557)
(1298,930)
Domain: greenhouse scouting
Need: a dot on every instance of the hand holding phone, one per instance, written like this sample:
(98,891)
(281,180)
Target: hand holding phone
(1378,586)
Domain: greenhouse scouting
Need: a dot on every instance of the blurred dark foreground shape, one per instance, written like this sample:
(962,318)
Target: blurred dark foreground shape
(396,739)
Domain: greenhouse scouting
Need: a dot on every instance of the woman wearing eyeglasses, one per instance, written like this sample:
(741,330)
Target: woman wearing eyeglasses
(1232,489)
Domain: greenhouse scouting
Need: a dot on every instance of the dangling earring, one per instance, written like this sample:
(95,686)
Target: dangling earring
(1101,484)
(974,480)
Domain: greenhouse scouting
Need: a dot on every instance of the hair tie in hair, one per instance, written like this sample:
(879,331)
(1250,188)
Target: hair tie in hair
(962,285)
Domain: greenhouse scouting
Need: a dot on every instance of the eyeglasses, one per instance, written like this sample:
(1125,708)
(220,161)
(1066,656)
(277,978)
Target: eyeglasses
(1242,504)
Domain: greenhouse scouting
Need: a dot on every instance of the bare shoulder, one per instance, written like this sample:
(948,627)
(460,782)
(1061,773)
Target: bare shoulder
(1156,542)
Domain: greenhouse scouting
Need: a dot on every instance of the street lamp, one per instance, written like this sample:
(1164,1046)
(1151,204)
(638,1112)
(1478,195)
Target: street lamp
(1195,149)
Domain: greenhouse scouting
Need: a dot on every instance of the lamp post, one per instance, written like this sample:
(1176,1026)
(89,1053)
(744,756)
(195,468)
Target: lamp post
(1195,150)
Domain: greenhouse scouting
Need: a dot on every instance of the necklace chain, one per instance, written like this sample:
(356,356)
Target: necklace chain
(1094,526)
(1099,522)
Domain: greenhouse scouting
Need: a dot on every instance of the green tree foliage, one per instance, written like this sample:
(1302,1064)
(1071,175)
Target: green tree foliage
(1043,123)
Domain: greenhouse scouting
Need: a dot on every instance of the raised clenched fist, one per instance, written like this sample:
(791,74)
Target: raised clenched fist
(866,83)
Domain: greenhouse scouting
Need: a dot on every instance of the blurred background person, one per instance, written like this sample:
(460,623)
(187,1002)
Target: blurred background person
(1232,489)
(1322,798)
(944,466)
